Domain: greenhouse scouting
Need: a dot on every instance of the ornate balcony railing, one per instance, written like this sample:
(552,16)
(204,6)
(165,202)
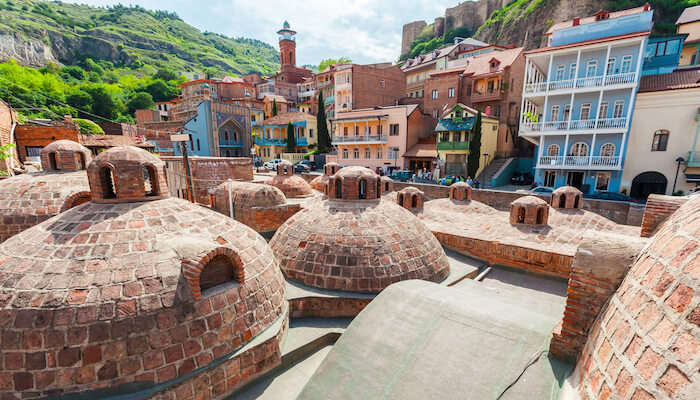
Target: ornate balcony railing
(575,125)
(579,162)
(359,138)
(580,83)
(442,146)
(230,143)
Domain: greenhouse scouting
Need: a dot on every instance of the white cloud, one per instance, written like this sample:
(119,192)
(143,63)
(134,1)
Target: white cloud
(364,30)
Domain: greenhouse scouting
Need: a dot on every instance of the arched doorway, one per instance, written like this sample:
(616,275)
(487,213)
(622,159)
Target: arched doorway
(230,139)
(647,183)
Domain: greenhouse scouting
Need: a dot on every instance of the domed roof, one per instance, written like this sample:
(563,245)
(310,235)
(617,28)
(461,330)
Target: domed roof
(528,200)
(285,25)
(206,86)
(566,189)
(356,172)
(65,155)
(319,183)
(127,153)
(248,194)
(651,326)
(64,145)
(357,246)
(124,289)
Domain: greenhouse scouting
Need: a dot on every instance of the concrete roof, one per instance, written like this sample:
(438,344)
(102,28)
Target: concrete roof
(419,340)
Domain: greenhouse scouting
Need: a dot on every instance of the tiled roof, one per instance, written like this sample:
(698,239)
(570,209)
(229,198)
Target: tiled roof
(690,14)
(675,80)
(422,150)
(285,118)
(110,141)
(481,64)
(591,19)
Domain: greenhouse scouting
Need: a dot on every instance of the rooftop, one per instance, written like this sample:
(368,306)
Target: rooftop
(690,14)
(591,19)
(682,79)
(285,118)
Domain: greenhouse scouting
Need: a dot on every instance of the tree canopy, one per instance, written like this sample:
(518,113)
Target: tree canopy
(330,61)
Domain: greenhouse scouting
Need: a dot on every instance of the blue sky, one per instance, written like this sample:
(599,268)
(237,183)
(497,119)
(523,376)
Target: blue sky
(364,30)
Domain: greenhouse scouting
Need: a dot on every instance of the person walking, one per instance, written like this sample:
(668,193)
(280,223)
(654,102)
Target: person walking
(469,181)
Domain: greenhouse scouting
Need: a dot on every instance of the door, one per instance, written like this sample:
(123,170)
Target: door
(575,179)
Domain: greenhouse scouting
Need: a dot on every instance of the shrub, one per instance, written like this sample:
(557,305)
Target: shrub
(88,127)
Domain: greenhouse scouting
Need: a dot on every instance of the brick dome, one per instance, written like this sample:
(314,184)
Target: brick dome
(354,183)
(460,191)
(110,294)
(646,341)
(125,174)
(291,185)
(410,198)
(387,184)
(319,183)
(247,194)
(567,197)
(529,210)
(357,246)
(65,155)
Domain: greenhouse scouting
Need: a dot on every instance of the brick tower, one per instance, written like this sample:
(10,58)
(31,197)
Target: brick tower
(288,47)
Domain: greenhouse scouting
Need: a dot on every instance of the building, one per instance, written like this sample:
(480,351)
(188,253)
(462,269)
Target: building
(272,101)
(289,72)
(662,54)
(578,98)
(454,133)
(689,23)
(418,69)
(7,125)
(271,141)
(665,127)
(363,86)
(378,137)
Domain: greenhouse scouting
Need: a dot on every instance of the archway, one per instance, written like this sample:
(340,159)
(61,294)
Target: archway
(646,183)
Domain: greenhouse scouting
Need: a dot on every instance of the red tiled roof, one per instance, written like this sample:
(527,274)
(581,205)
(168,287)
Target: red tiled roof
(673,81)
(591,19)
(481,64)
(285,118)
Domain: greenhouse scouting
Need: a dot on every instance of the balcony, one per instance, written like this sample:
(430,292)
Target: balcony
(446,146)
(582,84)
(365,139)
(302,142)
(496,95)
(694,159)
(230,143)
(269,142)
(580,162)
(586,126)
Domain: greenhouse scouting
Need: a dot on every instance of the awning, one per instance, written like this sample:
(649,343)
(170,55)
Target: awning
(422,150)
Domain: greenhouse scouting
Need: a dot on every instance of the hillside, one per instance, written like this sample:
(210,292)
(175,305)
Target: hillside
(37,32)
(524,22)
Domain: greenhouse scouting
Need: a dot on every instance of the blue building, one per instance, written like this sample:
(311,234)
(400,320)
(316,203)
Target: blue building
(579,95)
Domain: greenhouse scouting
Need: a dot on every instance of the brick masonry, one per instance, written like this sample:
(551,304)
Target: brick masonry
(6,119)
(657,210)
(207,174)
(646,342)
(327,307)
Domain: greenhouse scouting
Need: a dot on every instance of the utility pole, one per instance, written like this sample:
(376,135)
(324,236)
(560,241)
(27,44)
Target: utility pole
(183,139)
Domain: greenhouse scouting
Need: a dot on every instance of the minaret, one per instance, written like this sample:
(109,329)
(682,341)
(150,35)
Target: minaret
(288,47)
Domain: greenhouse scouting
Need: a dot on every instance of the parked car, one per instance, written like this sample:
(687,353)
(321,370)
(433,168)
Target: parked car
(541,189)
(401,175)
(610,196)
(299,167)
(308,163)
(272,164)
(522,179)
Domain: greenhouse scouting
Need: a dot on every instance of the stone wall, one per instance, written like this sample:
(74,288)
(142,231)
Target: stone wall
(327,307)
(207,173)
(657,210)
(410,32)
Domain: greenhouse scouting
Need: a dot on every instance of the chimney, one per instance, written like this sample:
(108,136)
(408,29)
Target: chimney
(68,119)
(577,21)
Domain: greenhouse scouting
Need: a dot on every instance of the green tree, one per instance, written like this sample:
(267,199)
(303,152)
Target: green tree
(330,61)
(5,153)
(104,103)
(140,101)
(274,107)
(161,90)
(88,127)
(80,100)
(166,74)
(291,140)
(324,139)
(474,148)
(74,71)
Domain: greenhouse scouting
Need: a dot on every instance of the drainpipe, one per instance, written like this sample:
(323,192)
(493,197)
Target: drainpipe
(12,140)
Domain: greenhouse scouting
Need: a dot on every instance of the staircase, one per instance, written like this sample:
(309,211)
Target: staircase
(491,171)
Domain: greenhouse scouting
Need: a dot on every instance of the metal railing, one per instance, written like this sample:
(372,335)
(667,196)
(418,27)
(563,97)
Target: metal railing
(575,125)
(588,82)
(230,143)
(579,161)
(359,138)
(488,96)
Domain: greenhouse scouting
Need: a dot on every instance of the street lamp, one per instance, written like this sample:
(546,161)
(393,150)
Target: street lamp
(679,160)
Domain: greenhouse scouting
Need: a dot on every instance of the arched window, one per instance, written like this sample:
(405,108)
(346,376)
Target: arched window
(338,189)
(414,201)
(52,161)
(81,160)
(553,150)
(218,271)
(379,188)
(226,136)
(562,201)
(579,149)
(521,215)
(577,201)
(150,181)
(108,186)
(399,199)
(540,215)
(291,59)
(607,150)
(363,189)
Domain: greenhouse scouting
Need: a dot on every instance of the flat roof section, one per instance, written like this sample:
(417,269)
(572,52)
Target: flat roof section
(420,340)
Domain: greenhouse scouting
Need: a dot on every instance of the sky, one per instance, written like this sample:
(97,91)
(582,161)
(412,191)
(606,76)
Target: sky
(366,31)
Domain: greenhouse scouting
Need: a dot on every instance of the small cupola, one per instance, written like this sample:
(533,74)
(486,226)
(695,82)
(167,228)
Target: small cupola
(494,63)
(529,210)
(410,198)
(65,155)
(354,183)
(387,184)
(567,197)
(460,191)
(285,168)
(330,168)
(127,174)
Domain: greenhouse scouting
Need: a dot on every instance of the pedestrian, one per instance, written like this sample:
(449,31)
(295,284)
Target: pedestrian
(469,181)
(477,184)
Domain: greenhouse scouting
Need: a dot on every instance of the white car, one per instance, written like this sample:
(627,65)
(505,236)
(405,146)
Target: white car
(272,164)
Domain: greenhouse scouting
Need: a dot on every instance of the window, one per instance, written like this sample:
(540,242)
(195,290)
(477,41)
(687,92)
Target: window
(379,128)
(567,111)
(591,68)
(362,192)
(345,131)
(607,150)
(311,132)
(150,181)
(451,92)
(435,94)
(338,189)
(579,149)
(554,116)
(660,141)
(626,64)
(672,47)
(553,150)
(611,66)
(394,130)
(444,136)
(618,109)
(550,178)
(585,111)
(393,153)
(345,154)
(381,83)
(603,110)
(660,49)
(218,271)
(602,181)
(572,71)
(490,86)
(435,114)
(379,154)
(560,72)
(457,136)
(107,180)
(356,153)
(357,130)
(368,153)
(52,161)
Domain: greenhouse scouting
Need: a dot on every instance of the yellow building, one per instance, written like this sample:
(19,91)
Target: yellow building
(689,23)
(271,139)
(453,138)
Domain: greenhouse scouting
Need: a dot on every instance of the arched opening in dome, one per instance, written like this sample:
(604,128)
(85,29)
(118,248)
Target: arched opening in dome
(386,186)
(521,215)
(562,201)
(219,271)
(362,192)
(577,201)
(414,201)
(540,216)
(399,199)
(338,189)
(379,188)
(107,182)
(53,165)
(150,181)
(81,160)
